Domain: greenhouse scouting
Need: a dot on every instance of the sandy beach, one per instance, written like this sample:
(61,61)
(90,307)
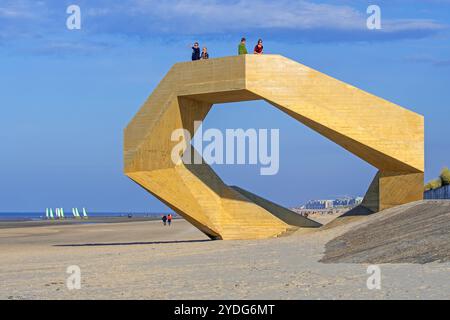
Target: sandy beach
(144,260)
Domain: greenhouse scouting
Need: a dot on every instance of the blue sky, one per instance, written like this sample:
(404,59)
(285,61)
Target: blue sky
(67,95)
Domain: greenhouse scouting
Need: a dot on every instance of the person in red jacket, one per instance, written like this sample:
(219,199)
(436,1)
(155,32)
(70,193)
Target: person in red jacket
(258,48)
(169,219)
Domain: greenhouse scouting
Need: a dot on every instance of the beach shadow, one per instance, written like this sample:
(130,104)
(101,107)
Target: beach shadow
(129,243)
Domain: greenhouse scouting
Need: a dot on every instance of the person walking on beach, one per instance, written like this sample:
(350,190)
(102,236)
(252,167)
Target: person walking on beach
(195,52)
(205,54)
(258,48)
(242,49)
(164,219)
(169,219)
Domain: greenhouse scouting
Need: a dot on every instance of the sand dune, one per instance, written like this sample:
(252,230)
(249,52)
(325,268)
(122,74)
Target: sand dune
(417,232)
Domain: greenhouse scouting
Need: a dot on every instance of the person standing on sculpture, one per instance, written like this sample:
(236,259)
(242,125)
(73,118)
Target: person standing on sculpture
(242,49)
(169,219)
(258,48)
(205,54)
(164,219)
(195,52)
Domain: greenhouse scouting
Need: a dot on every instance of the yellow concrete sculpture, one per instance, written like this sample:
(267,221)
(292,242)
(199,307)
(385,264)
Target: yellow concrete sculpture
(385,135)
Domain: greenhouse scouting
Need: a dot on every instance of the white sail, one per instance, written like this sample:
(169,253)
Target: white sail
(47,215)
(61,211)
(85,213)
(51,213)
(78,213)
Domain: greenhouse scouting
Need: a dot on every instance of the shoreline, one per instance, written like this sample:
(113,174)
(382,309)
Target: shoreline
(7,224)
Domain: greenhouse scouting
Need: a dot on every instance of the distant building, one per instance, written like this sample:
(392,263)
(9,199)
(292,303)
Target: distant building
(319,204)
(343,202)
(347,202)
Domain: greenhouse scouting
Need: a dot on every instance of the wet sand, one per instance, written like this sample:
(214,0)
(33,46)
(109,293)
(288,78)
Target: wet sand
(144,260)
(45,223)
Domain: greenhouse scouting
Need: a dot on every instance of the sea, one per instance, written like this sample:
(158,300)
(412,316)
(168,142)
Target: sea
(35,216)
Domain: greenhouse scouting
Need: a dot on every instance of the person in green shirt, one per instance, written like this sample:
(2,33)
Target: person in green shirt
(241,48)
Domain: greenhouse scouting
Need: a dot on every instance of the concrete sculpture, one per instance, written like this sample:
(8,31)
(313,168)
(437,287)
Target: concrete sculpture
(385,135)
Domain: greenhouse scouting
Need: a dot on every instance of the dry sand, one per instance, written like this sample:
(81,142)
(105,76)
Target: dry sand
(144,260)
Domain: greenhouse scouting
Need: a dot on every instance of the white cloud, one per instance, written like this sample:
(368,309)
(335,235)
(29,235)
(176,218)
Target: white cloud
(21,9)
(282,19)
(200,16)
(234,15)
(411,24)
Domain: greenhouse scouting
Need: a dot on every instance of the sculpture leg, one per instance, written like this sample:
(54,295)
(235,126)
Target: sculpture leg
(389,189)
